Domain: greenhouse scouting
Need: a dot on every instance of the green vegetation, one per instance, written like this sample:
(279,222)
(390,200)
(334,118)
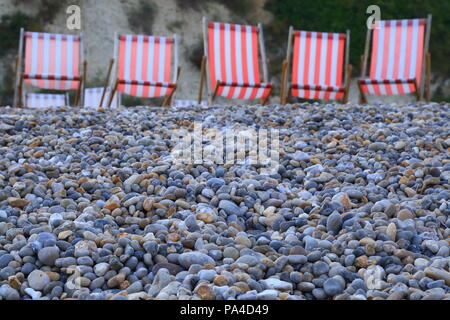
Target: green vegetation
(141,18)
(240,8)
(338,16)
(195,54)
(175,25)
(10,30)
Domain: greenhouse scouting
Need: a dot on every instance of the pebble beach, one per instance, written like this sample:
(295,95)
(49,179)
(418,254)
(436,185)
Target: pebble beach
(92,208)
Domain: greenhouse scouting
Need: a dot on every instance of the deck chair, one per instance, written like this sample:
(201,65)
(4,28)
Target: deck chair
(42,100)
(231,62)
(320,66)
(92,97)
(50,61)
(143,67)
(398,56)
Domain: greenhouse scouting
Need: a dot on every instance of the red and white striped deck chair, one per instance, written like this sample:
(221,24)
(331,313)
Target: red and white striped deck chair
(42,100)
(144,66)
(398,56)
(320,68)
(50,61)
(92,97)
(231,62)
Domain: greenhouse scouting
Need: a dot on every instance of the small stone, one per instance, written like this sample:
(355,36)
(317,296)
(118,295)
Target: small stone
(229,207)
(405,214)
(35,295)
(220,280)
(438,274)
(334,223)
(268,295)
(18,203)
(410,192)
(5,260)
(332,287)
(48,255)
(230,252)
(189,258)
(38,280)
(243,240)
(391,231)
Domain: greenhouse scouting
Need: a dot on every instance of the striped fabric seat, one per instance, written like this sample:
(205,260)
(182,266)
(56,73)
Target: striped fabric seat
(233,61)
(188,103)
(40,100)
(92,97)
(52,61)
(317,65)
(396,58)
(144,66)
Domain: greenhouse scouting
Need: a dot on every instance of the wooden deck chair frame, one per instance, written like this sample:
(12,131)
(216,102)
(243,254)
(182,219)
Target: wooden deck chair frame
(114,67)
(425,87)
(18,88)
(286,69)
(205,77)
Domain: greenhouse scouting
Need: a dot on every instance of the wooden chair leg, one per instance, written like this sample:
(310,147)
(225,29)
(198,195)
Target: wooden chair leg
(113,93)
(167,102)
(428,78)
(348,81)
(78,94)
(418,95)
(202,80)
(362,95)
(108,76)
(85,67)
(19,98)
(283,82)
(216,89)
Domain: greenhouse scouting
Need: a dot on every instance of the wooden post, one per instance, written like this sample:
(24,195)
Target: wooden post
(263,58)
(20,102)
(285,89)
(112,93)
(365,57)
(177,69)
(362,95)
(84,69)
(111,63)
(215,91)
(80,87)
(202,80)
(206,54)
(347,83)
(428,79)
(283,81)
(426,51)
(263,53)
(418,95)
(348,68)
(17,97)
(175,66)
